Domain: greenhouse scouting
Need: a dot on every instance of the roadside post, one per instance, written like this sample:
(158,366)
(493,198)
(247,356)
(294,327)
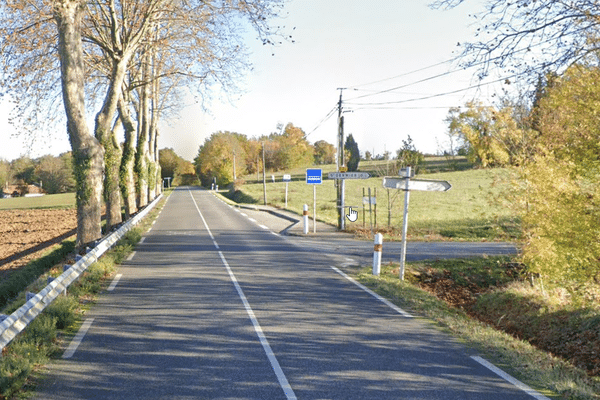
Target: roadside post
(305,217)
(377,251)
(286,178)
(343,176)
(314,176)
(407,184)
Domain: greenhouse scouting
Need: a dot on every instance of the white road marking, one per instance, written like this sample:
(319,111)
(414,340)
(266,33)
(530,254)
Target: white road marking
(252,219)
(510,379)
(245,215)
(264,227)
(142,240)
(130,257)
(114,283)
(283,382)
(78,338)
(276,234)
(372,293)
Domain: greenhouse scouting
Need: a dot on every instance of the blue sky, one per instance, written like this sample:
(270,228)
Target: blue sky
(338,43)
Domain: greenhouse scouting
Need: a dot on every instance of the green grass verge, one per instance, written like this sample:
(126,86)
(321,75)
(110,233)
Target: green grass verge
(48,334)
(465,212)
(63,200)
(550,375)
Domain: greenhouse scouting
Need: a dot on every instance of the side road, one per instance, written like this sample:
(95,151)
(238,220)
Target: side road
(329,240)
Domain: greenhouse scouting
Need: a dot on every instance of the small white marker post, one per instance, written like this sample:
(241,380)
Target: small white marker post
(377,250)
(305,217)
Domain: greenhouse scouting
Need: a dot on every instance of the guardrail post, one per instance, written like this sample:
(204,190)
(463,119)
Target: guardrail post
(305,217)
(377,250)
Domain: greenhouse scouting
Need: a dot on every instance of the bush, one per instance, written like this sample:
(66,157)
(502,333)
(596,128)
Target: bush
(63,310)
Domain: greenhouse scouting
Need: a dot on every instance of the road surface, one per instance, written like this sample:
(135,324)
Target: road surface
(214,305)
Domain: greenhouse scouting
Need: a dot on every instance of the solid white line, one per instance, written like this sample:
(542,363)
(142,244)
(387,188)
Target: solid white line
(510,379)
(113,284)
(283,382)
(372,293)
(78,338)
(130,257)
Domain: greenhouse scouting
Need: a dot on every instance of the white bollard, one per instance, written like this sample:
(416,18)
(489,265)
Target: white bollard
(305,217)
(377,250)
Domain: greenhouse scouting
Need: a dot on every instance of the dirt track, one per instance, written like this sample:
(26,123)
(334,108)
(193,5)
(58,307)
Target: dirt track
(26,234)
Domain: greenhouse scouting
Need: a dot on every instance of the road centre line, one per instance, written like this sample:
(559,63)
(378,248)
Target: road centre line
(510,379)
(372,293)
(78,338)
(283,382)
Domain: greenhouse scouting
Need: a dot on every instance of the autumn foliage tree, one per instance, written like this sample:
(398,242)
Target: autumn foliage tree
(560,192)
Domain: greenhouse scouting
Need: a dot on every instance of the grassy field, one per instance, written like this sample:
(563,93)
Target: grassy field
(465,212)
(63,200)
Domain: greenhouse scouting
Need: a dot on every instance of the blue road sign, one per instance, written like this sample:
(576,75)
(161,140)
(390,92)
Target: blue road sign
(314,176)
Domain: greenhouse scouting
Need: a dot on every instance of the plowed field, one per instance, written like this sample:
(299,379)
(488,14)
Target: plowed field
(27,234)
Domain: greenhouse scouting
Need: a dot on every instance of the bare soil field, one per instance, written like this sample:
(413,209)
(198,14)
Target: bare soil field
(26,234)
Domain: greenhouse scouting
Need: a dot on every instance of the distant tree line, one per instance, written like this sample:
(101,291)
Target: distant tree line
(283,150)
(52,174)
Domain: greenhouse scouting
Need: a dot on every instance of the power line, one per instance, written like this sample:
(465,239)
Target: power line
(434,95)
(403,74)
(438,75)
(329,115)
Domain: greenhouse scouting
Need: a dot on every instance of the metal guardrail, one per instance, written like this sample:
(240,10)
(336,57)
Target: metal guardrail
(18,320)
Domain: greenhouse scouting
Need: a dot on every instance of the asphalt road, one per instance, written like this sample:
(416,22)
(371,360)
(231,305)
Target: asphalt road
(214,305)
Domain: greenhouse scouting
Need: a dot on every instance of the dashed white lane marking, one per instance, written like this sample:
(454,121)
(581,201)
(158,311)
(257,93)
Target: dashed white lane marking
(283,382)
(244,214)
(252,219)
(142,240)
(78,338)
(114,283)
(264,227)
(510,379)
(372,293)
(276,234)
(130,257)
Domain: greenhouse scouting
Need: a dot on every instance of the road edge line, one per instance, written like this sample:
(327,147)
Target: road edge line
(517,383)
(372,293)
(78,338)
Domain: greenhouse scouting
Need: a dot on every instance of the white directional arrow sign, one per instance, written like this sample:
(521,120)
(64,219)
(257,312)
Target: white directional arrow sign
(416,184)
(407,184)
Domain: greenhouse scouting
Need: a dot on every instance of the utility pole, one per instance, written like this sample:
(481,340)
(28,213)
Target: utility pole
(340,163)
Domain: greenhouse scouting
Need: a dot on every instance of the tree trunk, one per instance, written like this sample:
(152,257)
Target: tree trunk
(88,154)
(128,161)
(104,133)
(112,192)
